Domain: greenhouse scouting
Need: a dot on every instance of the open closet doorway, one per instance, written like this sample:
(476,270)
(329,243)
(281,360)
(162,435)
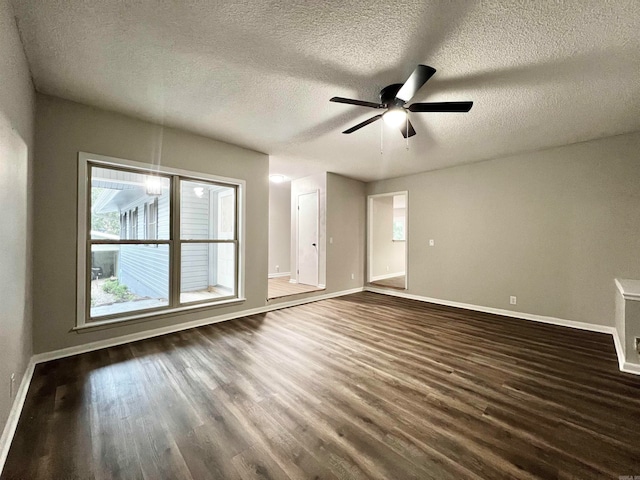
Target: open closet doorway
(296,235)
(387,220)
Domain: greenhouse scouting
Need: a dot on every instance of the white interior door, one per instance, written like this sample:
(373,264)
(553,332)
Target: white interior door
(308,214)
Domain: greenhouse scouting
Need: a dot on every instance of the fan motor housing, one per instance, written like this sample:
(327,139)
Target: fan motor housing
(388,95)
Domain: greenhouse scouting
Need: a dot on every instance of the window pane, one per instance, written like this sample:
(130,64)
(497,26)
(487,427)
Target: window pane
(208,271)
(128,205)
(207,211)
(127,278)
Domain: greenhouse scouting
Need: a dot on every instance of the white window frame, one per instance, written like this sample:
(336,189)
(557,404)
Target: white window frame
(82,275)
(151,213)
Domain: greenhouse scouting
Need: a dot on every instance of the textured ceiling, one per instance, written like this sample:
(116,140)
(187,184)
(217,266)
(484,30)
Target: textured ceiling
(260,73)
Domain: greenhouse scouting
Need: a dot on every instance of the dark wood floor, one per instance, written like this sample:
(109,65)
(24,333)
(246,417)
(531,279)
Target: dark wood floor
(365,387)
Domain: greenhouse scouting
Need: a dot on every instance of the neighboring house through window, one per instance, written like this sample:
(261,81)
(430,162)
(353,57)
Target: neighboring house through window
(191,220)
(133,224)
(123,225)
(151,219)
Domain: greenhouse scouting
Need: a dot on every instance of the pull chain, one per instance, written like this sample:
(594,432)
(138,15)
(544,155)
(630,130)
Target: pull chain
(381,137)
(407,130)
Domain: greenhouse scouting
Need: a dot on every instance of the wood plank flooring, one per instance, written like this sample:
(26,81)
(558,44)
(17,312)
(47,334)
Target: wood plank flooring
(364,386)
(397,283)
(281,287)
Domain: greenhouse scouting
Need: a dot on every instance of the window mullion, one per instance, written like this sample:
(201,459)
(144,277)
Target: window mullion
(175,258)
(87,253)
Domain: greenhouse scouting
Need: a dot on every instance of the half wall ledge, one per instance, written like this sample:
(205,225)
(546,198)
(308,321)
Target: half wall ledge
(628,322)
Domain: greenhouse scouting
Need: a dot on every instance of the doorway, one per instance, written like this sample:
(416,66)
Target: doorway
(296,236)
(387,235)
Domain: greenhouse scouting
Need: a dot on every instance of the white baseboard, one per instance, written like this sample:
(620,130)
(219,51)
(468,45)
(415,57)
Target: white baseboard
(385,276)
(280,274)
(14,415)
(622,363)
(276,304)
(134,337)
(496,311)
(619,350)
(632,368)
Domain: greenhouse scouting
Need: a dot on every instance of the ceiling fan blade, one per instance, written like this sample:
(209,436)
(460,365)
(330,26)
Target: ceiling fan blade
(407,129)
(363,124)
(418,78)
(441,107)
(360,103)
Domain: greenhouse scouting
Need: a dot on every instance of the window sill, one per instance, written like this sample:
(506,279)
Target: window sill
(154,315)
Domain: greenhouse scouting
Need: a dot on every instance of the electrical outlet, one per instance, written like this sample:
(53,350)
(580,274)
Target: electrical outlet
(12,385)
(513,300)
(277,268)
(387,268)
(353,276)
(637,342)
(432,242)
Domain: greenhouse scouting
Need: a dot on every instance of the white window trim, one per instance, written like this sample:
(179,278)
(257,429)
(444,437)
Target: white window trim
(81,273)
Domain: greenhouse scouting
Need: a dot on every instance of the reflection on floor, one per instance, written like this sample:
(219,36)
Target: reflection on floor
(393,282)
(281,287)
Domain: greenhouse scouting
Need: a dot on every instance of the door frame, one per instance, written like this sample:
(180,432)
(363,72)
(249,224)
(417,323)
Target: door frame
(317,217)
(370,200)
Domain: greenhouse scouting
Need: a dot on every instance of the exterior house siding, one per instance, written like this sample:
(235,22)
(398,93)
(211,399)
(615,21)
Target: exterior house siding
(195,219)
(206,213)
(145,268)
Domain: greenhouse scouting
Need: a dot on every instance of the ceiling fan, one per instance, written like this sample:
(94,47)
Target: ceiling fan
(394,97)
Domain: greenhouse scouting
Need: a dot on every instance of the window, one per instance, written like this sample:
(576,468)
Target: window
(133,224)
(190,220)
(123,225)
(151,219)
(398,229)
(399,218)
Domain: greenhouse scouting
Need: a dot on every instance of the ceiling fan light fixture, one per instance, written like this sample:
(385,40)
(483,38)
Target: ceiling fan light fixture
(395,117)
(394,98)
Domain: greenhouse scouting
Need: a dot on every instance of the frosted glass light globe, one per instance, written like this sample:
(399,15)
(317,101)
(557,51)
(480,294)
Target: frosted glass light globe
(395,117)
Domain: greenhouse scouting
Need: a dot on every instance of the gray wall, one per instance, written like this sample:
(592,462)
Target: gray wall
(63,129)
(553,227)
(346,225)
(280,227)
(388,257)
(16,153)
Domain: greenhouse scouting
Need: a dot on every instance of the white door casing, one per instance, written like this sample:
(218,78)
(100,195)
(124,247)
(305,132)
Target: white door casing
(371,224)
(308,248)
